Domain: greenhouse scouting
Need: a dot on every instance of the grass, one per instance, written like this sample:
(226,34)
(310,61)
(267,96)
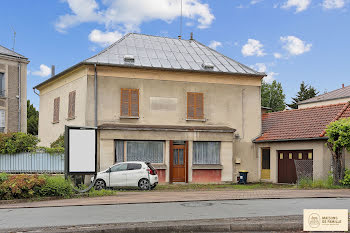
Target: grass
(319,184)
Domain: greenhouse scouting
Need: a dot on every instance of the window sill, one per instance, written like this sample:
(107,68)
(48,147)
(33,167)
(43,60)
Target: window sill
(70,118)
(159,166)
(129,117)
(201,120)
(55,122)
(207,166)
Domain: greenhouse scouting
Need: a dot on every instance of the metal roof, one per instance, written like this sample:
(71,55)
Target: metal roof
(168,53)
(8,52)
(343,92)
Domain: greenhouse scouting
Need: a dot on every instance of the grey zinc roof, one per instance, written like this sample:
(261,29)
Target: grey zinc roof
(336,94)
(8,52)
(168,53)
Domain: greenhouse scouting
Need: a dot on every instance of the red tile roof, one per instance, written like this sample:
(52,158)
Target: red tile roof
(305,123)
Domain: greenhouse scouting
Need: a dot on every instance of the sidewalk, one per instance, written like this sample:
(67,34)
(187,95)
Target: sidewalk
(165,196)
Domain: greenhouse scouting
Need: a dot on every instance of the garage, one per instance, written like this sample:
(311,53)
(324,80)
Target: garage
(287,160)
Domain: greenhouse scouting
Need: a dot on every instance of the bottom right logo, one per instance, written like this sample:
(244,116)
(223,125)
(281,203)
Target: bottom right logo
(326,219)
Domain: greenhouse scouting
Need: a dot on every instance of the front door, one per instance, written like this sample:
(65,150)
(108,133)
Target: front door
(117,175)
(178,161)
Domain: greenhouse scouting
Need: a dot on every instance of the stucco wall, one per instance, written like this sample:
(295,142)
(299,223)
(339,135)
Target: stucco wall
(321,156)
(49,131)
(11,104)
(336,101)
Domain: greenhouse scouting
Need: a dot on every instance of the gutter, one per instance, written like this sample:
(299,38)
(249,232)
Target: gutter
(291,140)
(95,92)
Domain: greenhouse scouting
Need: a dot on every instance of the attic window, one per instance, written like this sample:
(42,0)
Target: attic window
(129,58)
(208,66)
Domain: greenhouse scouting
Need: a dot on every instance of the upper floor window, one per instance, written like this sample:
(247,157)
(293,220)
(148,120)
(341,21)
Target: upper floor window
(56,110)
(71,105)
(2,120)
(195,108)
(129,102)
(2,84)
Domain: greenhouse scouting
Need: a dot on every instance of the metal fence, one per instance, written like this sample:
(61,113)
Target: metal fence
(32,163)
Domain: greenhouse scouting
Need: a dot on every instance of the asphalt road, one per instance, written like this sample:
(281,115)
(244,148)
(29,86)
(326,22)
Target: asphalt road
(102,214)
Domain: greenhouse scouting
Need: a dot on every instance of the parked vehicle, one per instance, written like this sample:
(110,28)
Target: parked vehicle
(128,174)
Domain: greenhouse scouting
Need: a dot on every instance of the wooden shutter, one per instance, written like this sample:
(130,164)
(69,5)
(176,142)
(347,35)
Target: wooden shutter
(56,110)
(129,104)
(71,105)
(195,103)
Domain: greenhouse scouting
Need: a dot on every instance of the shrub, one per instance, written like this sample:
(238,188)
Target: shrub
(56,186)
(58,143)
(346,180)
(99,193)
(12,143)
(21,186)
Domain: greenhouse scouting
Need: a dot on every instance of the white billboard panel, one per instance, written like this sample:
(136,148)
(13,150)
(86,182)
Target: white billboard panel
(82,151)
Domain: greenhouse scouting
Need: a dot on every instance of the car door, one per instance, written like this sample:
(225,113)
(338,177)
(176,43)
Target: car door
(134,174)
(117,175)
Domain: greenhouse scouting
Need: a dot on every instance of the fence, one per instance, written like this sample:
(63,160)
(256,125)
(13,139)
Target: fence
(32,163)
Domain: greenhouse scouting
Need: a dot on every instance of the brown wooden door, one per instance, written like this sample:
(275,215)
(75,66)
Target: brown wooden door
(178,162)
(286,166)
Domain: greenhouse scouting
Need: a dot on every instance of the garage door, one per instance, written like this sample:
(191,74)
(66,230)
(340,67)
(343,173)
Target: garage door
(286,166)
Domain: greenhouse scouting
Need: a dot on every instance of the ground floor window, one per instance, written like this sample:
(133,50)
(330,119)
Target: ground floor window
(206,152)
(148,151)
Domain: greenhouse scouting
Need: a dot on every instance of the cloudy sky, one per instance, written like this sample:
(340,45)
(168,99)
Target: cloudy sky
(290,40)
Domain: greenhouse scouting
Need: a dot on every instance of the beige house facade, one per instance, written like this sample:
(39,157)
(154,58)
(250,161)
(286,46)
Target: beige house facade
(13,91)
(186,108)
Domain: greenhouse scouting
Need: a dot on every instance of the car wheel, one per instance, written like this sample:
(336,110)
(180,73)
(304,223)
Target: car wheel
(144,184)
(100,184)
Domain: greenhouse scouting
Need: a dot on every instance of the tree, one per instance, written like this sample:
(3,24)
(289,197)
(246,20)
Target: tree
(305,92)
(32,119)
(338,133)
(272,96)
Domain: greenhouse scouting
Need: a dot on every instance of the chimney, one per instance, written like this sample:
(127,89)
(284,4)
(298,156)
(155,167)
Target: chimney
(179,37)
(52,70)
(191,36)
(342,85)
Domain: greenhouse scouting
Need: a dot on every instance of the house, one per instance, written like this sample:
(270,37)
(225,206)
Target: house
(341,95)
(293,141)
(13,91)
(186,108)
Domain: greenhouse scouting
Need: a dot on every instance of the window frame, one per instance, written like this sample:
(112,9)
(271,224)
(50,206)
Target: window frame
(3,84)
(130,103)
(195,106)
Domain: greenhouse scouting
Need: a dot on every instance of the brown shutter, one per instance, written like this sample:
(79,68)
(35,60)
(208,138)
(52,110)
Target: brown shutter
(199,114)
(71,105)
(124,102)
(56,110)
(134,103)
(190,105)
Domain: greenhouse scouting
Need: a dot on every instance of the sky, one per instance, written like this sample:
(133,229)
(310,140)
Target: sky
(290,40)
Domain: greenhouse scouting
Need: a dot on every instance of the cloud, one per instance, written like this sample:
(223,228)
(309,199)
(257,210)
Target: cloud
(129,15)
(270,77)
(104,38)
(43,72)
(262,67)
(333,4)
(300,5)
(295,46)
(214,44)
(277,55)
(253,47)
(253,2)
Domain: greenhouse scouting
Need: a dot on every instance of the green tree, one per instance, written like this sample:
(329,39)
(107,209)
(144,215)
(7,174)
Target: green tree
(305,92)
(32,119)
(272,96)
(338,133)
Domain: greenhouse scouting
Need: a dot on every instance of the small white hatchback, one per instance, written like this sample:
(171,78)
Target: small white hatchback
(127,174)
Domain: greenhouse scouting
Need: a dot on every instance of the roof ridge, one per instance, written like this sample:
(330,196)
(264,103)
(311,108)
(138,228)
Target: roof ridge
(20,55)
(315,97)
(337,116)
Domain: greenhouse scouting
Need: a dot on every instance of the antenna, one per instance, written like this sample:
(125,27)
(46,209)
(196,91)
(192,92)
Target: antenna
(181,22)
(14,38)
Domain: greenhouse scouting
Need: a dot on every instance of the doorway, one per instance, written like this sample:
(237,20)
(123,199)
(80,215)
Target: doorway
(178,161)
(265,163)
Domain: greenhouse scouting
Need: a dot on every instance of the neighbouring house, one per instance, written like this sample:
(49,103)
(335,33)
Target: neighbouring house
(293,141)
(13,91)
(341,95)
(186,108)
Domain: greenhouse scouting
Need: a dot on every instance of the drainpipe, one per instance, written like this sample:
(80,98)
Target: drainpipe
(19,97)
(95,90)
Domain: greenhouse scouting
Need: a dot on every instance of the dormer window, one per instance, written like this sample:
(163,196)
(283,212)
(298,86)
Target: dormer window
(129,59)
(208,66)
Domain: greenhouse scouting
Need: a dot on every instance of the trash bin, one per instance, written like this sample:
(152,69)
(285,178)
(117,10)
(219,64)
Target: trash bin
(243,176)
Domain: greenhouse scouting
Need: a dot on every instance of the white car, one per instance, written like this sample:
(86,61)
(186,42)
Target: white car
(127,174)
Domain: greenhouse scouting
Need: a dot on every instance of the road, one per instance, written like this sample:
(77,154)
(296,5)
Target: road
(102,214)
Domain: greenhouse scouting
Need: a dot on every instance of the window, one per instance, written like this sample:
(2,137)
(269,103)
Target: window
(71,105)
(119,151)
(2,84)
(147,151)
(265,163)
(195,105)
(129,102)
(206,152)
(56,110)
(119,167)
(2,121)
(134,166)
